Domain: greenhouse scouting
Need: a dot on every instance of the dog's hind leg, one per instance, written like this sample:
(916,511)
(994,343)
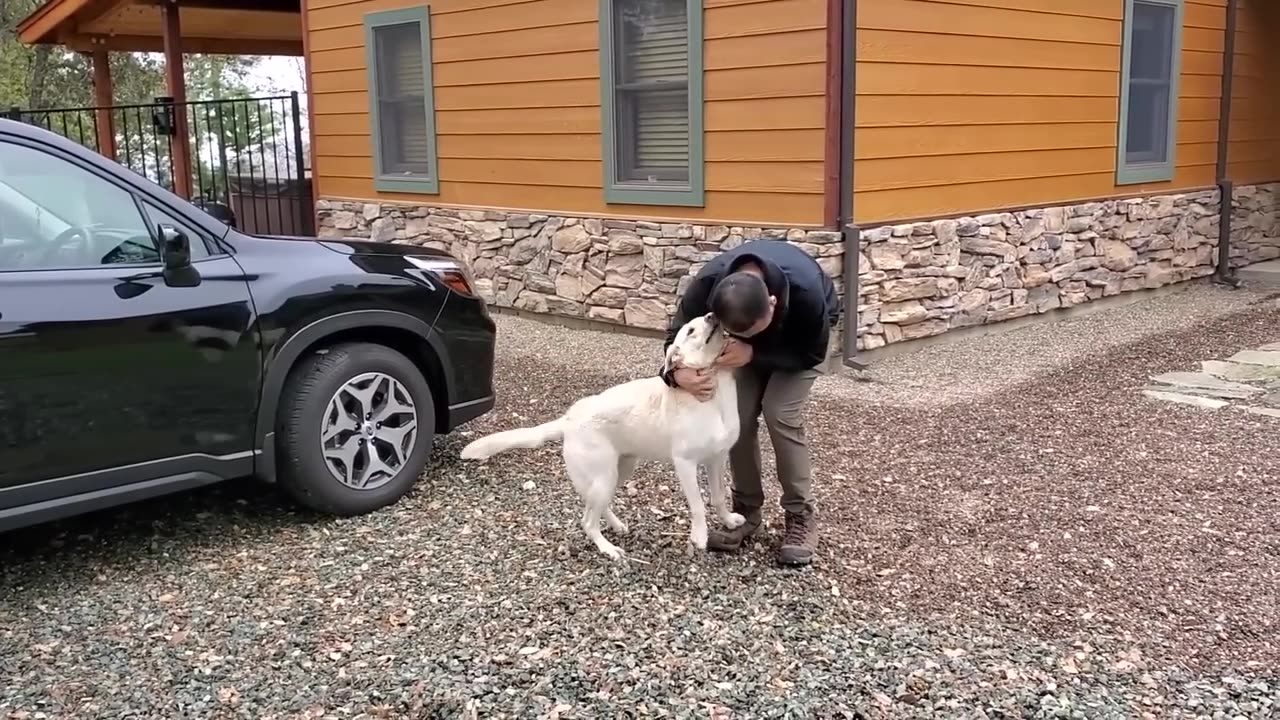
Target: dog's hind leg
(687,471)
(626,467)
(720,494)
(593,468)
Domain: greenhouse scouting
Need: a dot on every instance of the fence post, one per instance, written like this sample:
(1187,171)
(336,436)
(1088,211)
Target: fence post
(14,113)
(306,206)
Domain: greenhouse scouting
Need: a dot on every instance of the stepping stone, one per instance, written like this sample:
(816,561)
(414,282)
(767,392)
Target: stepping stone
(1269,358)
(1205,384)
(1269,412)
(1240,373)
(1203,402)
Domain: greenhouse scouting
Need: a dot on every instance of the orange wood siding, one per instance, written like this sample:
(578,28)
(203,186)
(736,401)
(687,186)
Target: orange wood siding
(518,107)
(972,105)
(1253,150)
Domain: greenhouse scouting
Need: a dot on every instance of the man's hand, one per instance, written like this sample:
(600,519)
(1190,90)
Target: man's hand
(735,354)
(701,383)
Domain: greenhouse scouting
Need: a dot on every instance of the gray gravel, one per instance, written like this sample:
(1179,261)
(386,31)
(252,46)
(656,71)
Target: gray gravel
(1034,540)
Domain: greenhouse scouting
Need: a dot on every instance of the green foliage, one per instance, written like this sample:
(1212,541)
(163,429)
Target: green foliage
(54,77)
(226,138)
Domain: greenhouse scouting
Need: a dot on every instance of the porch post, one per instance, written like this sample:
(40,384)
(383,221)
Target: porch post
(176,82)
(102,99)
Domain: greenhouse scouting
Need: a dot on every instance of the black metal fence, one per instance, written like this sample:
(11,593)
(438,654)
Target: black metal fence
(247,160)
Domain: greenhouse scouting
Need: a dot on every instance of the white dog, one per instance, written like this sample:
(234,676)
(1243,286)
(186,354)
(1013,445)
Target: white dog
(605,435)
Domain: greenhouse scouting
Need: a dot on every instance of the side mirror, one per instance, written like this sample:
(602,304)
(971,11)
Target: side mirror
(175,247)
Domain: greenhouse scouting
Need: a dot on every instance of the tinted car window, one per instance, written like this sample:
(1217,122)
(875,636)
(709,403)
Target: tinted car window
(159,216)
(56,214)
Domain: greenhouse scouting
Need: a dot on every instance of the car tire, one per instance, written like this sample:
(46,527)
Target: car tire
(307,409)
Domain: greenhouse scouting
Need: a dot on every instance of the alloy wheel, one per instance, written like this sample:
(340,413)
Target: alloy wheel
(369,429)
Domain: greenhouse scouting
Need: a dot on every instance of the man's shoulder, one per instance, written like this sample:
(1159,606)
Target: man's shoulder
(781,252)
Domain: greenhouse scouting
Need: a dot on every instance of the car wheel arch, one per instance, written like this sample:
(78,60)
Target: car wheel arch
(399,331)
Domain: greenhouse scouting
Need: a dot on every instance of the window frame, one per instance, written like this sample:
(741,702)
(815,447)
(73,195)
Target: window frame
(690,194)
(428,184)
(1133,173)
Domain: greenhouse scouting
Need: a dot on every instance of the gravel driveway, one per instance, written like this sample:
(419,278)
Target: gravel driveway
(1009,530)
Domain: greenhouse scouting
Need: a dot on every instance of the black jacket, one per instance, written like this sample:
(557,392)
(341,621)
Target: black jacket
(806,311)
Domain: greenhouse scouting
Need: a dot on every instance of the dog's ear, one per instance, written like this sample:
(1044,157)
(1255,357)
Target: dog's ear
(672,356)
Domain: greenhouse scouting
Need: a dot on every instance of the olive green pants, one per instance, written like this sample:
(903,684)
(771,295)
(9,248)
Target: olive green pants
(782,398)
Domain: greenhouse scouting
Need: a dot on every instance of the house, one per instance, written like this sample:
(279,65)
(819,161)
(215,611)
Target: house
(950,163)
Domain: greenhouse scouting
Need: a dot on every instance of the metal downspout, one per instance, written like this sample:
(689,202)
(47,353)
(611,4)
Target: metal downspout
(848,231)
(1226,189)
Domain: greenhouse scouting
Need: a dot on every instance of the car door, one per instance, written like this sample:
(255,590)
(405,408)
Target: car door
(110,372)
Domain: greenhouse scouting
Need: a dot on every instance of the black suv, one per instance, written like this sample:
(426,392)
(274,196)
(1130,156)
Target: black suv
(146,347)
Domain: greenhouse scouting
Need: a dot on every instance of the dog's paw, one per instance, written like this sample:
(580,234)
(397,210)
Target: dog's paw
(698,538)
(611,551)
(734,521)
(620,527)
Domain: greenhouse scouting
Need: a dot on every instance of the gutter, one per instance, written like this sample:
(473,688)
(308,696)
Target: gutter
(845,13)
(1226,189)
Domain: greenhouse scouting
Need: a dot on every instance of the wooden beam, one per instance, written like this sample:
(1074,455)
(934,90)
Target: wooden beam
(203,45)
(834,86)
(103,98)
(96,11)
(314,190)
(175,76)
(42,26)
(293,6)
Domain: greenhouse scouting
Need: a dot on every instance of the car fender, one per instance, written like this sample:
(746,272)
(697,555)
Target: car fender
(282,361)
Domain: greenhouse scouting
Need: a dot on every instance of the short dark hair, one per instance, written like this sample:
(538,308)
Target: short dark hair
(739,300)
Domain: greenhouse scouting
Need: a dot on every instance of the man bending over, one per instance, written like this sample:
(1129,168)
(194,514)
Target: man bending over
(778,307)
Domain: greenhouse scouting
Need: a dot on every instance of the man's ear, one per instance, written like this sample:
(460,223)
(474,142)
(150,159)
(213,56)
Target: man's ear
(773,301)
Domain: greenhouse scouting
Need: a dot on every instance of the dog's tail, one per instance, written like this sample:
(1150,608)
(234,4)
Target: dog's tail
(490,445)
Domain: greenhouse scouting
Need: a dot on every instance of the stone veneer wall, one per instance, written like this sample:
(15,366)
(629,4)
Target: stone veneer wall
(617,271)
(925,278)
(1255,224)
(915,280)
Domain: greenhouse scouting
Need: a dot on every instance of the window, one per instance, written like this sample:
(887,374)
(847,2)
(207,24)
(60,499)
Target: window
(651,85)
(55,214)
(158,216)
(401,102)
(1149,91)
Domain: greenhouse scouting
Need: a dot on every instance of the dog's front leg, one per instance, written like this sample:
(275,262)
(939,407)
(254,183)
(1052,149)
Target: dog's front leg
(687,471)
(719,493)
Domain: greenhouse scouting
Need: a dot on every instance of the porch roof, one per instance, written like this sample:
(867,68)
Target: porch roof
(232,27)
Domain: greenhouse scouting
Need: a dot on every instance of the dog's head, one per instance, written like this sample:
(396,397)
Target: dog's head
(698,343)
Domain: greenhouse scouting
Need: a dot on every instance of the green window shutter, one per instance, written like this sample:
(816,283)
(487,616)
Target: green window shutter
(401,100)
(651,85)
(1150,66)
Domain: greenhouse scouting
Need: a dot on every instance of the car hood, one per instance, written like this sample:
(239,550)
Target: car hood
(351,246)
(358,246)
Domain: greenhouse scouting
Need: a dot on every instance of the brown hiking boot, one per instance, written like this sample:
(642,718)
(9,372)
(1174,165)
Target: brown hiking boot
(799,539)
(726,540)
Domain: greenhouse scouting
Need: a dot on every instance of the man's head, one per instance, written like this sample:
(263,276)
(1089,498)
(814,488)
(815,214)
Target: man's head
(742,303)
